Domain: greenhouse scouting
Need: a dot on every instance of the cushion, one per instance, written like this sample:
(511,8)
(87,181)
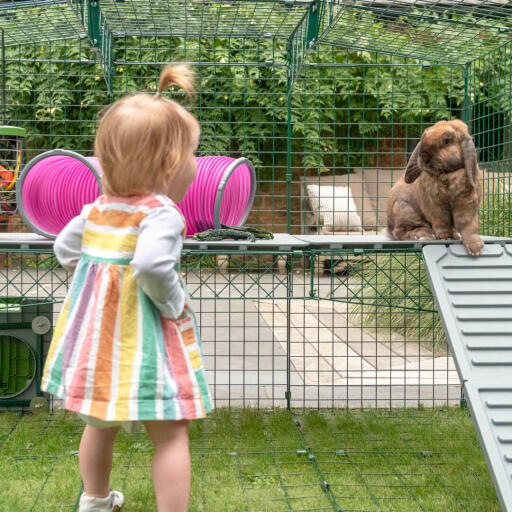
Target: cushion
(335,207)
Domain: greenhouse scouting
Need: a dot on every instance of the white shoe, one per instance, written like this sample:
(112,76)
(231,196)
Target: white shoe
(112,503)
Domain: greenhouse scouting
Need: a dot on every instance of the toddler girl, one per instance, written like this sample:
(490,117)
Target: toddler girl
(126,347)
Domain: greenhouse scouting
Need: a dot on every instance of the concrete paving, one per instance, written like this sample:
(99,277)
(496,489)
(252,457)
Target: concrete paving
(334,361)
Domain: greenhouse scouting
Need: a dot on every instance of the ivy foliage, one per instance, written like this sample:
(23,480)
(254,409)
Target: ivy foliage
(341,106)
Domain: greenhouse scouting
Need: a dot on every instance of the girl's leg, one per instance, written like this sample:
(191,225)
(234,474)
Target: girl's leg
(171,464)
(95,457)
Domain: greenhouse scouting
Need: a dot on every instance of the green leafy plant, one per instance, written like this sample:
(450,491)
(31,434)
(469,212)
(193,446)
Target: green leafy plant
(57,92)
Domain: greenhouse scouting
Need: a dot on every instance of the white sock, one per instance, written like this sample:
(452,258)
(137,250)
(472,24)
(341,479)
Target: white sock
(92,504)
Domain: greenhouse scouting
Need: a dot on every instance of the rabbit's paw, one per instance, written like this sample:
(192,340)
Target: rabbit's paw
(422,234)
(444,235)
(473,245)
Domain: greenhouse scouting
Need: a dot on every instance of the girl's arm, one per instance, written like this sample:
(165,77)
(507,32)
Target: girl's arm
(158,250)
(68,244)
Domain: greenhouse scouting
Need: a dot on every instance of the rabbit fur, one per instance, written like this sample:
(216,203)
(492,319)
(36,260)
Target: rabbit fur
(439,194)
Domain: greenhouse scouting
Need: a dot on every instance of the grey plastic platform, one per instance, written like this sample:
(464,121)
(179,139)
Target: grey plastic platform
(281,242)
(25,241)
(378,242)
(474,298)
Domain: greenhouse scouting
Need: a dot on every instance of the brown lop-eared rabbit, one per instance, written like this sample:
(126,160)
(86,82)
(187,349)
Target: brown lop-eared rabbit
(439,194)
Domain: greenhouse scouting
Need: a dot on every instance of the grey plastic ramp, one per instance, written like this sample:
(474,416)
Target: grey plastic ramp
(474,297)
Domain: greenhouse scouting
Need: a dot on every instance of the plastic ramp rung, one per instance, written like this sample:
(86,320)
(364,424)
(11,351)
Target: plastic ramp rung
(474,298)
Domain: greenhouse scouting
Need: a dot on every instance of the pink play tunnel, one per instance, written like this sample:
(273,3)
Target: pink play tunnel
(55,185)
(221,193)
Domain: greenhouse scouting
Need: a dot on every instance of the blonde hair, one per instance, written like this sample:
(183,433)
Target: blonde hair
(142,139)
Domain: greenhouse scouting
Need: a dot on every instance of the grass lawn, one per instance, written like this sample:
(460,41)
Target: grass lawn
(253,460)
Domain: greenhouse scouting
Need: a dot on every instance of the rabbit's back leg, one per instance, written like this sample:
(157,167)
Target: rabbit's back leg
(414,233)
(440,215)
(409,223)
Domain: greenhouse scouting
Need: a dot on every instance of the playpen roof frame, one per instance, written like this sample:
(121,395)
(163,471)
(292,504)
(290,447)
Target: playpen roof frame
(444,31)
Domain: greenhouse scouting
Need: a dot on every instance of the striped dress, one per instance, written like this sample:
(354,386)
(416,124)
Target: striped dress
(113,355)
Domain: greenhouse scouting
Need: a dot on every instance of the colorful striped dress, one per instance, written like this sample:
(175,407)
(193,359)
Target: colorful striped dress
(116,354)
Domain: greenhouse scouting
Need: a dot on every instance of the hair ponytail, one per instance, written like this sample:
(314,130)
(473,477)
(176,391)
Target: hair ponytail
(143,139)
(180,75)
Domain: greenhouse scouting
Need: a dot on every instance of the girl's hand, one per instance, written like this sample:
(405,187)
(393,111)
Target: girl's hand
(185,307)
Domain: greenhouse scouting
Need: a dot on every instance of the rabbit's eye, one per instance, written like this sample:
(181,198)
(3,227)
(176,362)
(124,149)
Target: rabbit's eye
(447,141)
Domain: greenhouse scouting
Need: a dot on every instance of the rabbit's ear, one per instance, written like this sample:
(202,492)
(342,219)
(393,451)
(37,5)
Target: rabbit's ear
(412,171)
(468,149)
(469,155)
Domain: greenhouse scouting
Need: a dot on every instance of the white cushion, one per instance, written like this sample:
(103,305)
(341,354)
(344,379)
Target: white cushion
(334,207)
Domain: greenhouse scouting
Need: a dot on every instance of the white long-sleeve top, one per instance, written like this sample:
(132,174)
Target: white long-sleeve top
(157,252)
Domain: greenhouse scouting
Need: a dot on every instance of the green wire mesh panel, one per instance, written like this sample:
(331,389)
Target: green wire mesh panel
(255,460)
(356,118)
(367,333)
(454,32)
(318,94)
(241,103)
(191,18)
(438,31)
(322,328)
(55,92)
(31,282)
(42,20)
(246,363)
(489,109)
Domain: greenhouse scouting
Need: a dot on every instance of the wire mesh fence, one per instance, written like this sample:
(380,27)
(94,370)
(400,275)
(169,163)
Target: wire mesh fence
(281,329)
(252,460)
(295,329)
(329,117)
(328,99)
(488,108)
(327,150)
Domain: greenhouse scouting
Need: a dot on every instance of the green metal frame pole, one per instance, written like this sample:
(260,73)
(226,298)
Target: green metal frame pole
(4,95)
(313,25)
(102,41)
(93,23)
(466,114)
(289,176)
(108,56)
(289,291)
(39,364)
